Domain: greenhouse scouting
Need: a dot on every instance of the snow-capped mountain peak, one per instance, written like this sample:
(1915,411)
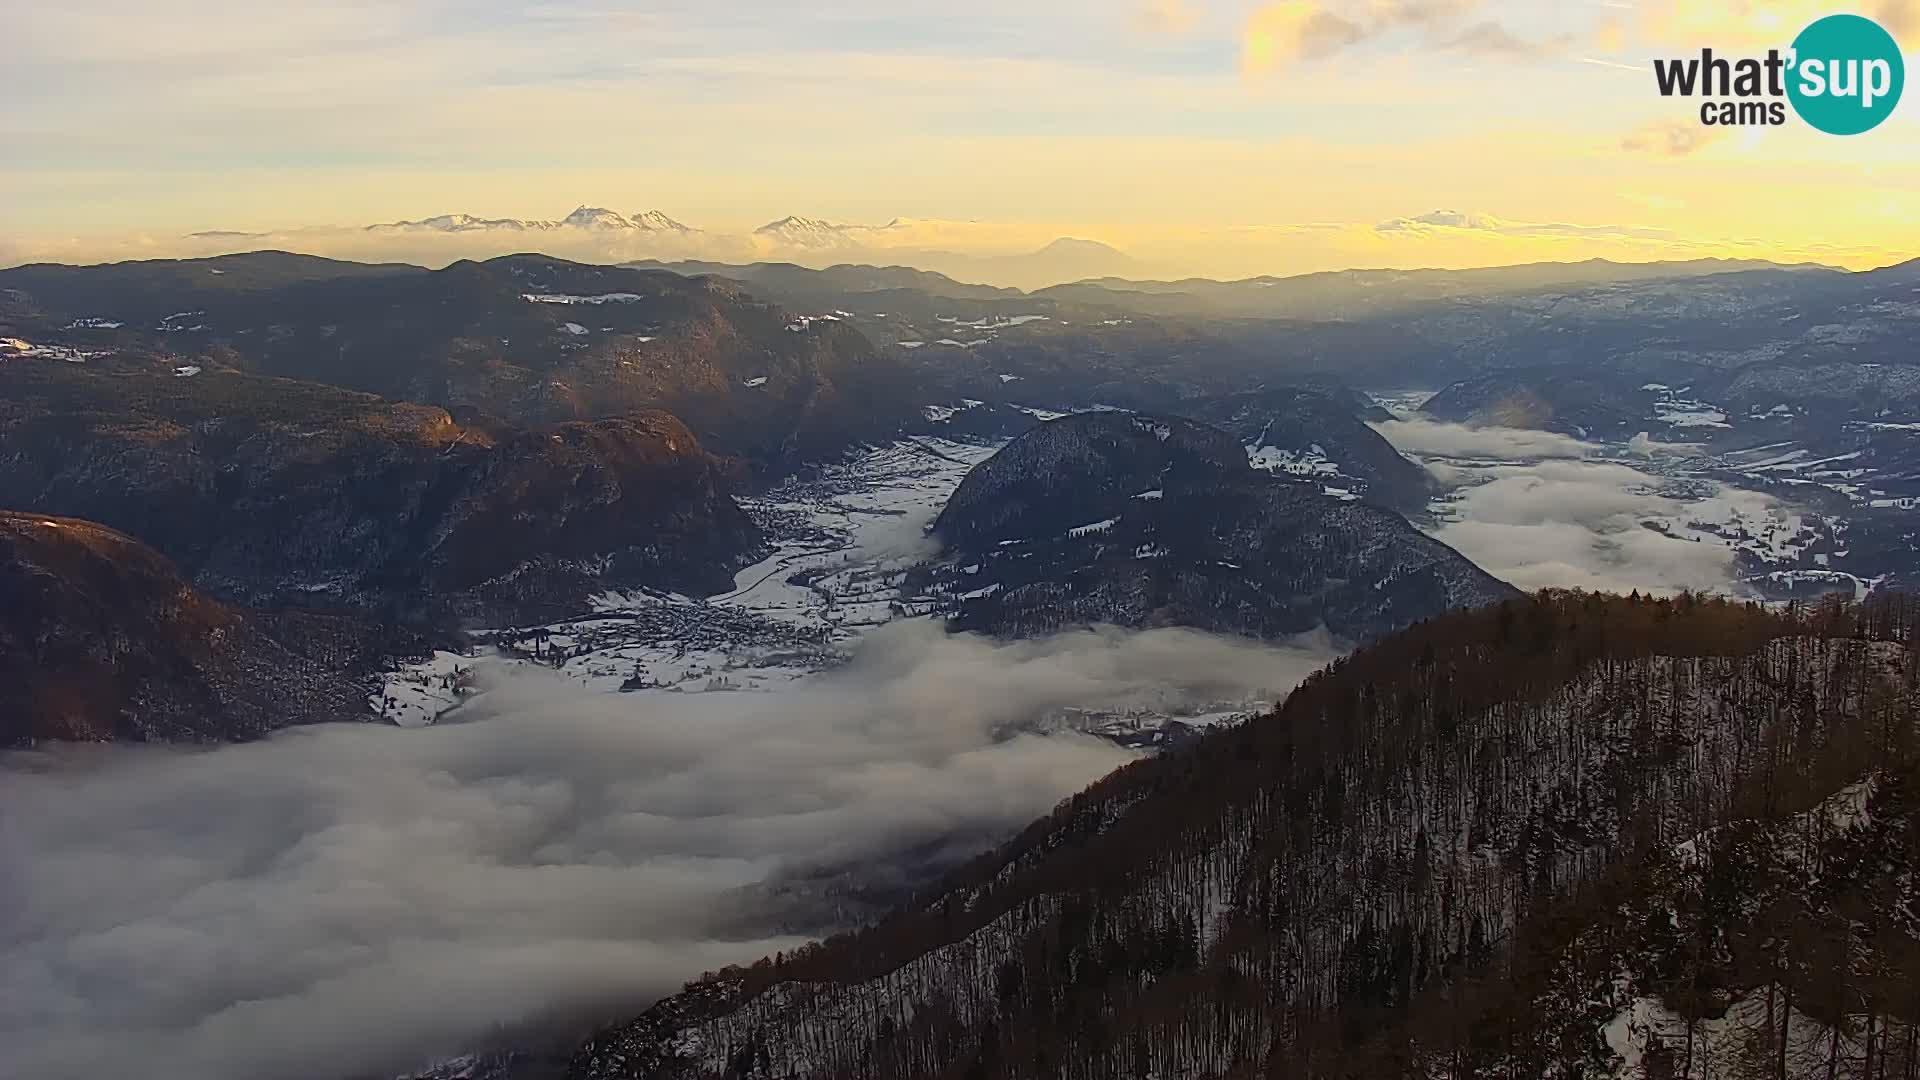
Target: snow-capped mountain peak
(595,217)
(806,232)
(655,221)
(459,223)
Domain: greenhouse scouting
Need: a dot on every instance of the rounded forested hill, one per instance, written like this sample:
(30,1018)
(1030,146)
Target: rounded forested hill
(1324,423)
(1058,473)
(1150,521)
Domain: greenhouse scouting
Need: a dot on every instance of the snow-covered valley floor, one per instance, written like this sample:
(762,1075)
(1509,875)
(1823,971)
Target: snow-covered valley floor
(842,541)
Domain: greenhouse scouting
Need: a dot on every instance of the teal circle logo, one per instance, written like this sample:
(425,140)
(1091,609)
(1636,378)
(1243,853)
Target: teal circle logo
(1846,74)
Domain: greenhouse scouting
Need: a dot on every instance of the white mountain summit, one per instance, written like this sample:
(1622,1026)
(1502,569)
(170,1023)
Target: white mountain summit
(804,232)
(591,218)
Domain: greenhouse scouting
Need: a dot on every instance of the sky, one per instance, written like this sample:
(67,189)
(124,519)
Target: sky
(1222,137)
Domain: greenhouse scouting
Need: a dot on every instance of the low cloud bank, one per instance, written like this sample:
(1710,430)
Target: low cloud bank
(1539,510)
(1579,525)
(1432,437)
(346,899)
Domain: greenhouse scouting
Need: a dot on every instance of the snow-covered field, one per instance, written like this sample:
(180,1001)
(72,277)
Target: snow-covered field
(842,541)
(20,349)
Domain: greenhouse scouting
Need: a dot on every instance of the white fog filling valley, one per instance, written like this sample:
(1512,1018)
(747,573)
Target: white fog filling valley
(361,899)
(352,899)
(1543,510)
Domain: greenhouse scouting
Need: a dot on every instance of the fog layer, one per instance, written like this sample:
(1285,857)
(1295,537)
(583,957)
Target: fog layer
(347,898)
(1539,509)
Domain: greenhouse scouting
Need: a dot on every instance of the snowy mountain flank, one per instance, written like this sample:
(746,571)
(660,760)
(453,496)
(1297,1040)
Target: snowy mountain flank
(584,217)
(1136,520)
(805,232)
(1570,835)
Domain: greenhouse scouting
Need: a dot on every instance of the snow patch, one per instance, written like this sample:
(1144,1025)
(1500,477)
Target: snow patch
(568,298)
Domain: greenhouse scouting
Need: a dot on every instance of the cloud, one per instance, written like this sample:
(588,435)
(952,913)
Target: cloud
(1492,41)
(1283,33)
(1168,16)
(1431,437)
(348,899)
(1729,24)
(1451,219)
(1279,34)
(1647,446)
(1579,524)
(1901,18)
(1672,138)
(1535,509)
(1441,222)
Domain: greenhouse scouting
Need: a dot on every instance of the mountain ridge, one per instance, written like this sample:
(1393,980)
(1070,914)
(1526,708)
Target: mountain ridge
(267,491)
(1137,520)
(1356,883)
(101,638)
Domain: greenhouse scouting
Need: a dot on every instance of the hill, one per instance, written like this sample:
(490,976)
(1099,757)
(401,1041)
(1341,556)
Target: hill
(1141,521)
(269,491)
(527,339)
(102,639)
(1564,835)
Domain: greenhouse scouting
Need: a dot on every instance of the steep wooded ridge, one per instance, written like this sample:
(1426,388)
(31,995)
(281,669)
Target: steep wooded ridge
(270,491)
(1491,845)
(101,638)
(1140,520)
(1319,432)
(525,339)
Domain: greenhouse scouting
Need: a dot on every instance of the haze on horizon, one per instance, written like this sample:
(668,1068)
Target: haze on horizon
(1201,137)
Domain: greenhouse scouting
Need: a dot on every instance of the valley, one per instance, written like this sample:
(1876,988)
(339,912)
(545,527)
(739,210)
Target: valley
(841,543)
(685,624)
(1160,540)
(844,542)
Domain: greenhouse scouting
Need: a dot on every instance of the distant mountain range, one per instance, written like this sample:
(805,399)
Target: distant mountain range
(599,234)
(586,217)
(806,232)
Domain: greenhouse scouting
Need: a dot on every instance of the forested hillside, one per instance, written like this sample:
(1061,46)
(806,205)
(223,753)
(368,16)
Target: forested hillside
(271,491)
(1112,517)
(101,638)
(520,340)
(1569,835)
